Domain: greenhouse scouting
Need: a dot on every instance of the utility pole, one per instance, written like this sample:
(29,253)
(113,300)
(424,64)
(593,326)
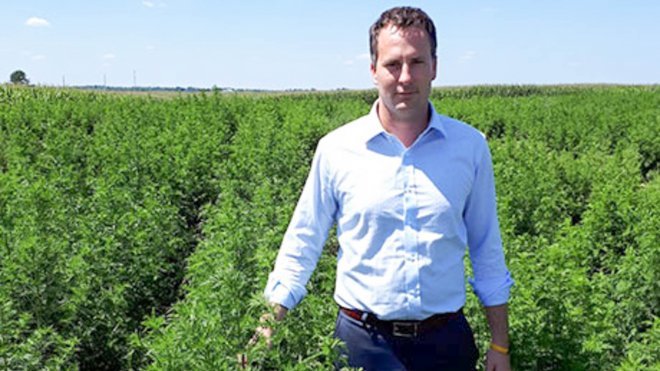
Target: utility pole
(134,79)
(105,84)
(63,81)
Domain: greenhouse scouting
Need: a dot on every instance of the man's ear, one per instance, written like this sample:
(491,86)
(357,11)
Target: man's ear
(372,68)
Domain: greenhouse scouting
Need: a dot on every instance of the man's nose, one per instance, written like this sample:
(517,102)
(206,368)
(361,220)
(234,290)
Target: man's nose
(406,75)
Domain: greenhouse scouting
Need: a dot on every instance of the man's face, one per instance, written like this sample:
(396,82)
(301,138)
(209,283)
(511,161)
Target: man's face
(404,70)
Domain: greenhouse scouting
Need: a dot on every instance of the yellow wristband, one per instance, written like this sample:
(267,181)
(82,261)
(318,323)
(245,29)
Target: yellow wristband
(499,348)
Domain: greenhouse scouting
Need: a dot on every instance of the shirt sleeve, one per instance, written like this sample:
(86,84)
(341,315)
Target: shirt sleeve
(304,239)
(492,281)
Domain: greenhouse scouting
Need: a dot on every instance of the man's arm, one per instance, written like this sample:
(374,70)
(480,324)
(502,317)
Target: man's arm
(280,312)
(301,246)
(497,358)
(499,324)
(492,280)
(304,238)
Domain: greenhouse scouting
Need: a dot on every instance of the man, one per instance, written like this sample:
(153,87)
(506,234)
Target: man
(409,190)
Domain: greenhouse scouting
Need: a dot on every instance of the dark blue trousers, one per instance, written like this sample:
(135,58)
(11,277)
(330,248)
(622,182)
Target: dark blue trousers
(449,347)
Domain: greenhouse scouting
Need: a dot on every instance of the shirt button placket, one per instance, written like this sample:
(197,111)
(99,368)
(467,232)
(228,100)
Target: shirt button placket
(414,250)
(410,238)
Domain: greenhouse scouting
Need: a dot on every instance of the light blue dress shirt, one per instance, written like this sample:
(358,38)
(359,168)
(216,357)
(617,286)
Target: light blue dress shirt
(405,217)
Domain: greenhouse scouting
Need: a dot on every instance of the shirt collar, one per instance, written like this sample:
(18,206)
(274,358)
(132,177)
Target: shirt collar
(373,126)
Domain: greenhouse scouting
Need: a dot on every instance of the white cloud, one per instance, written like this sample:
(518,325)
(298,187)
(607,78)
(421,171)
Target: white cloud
(488,9)
(357,59)
(468,55)
(152,4)
(37,22)
(32,55)
(108,56)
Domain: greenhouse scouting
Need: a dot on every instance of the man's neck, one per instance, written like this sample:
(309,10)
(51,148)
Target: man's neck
(405,128)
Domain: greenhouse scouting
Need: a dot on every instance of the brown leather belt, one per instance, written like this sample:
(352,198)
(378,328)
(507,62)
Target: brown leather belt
(402,328)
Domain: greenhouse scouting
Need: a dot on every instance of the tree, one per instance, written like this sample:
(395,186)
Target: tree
(19,77)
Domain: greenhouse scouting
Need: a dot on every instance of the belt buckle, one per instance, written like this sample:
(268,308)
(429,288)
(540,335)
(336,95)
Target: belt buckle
(405,329)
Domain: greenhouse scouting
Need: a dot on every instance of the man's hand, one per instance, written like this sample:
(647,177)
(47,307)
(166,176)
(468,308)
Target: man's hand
(496,361)
(264,331)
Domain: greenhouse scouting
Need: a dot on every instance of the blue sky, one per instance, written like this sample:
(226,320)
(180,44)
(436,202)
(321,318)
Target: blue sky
(323,44)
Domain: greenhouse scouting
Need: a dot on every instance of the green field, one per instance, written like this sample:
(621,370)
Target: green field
(138,232)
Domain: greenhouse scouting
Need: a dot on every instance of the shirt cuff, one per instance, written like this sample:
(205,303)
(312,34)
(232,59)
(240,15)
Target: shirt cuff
(277,292)
(493,291)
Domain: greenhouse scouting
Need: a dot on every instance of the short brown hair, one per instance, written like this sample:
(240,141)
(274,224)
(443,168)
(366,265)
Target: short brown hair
(402,17)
